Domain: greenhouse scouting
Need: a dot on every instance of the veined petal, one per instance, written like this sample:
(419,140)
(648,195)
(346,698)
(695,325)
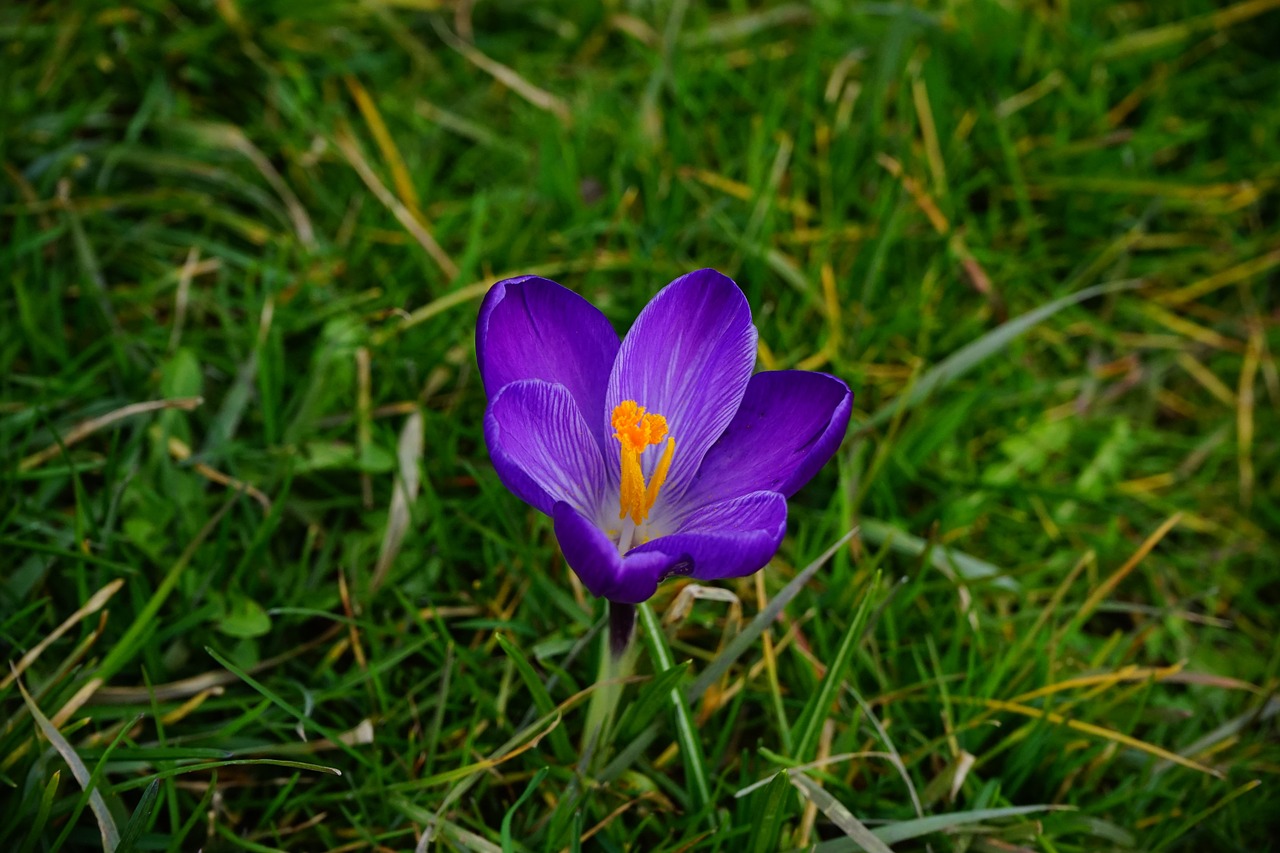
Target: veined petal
(727,539)
(532,328)
(541,447)
(789,424)
(688,358)
(595,559)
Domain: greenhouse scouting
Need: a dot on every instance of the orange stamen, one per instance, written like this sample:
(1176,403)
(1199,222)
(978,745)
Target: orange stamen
(637,430)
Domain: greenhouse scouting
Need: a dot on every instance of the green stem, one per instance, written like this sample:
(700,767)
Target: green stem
(617,661)
(622,627)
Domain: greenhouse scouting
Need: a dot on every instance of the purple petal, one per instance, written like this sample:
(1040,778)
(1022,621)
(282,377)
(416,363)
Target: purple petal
(595,558)
(728,539)
(788,426)
(541,447)
(688,358)
(532,328)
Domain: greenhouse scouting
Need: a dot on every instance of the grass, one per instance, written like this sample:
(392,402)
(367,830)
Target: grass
(1056,629)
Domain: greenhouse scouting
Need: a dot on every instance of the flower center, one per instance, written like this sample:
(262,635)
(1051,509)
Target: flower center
(637,430)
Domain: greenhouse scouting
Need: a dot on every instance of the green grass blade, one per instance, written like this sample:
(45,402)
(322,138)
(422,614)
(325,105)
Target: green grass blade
(686,730)
(42,813)
(169,773)
(861,837)
(138,820)
(127,646)
(650,700)
(816,710)
(508,846)
(541,698)
(971,355)
(909,829)
(737,646)
(945,559)
(275,699)
(748,636)
(770,806)
(98,805)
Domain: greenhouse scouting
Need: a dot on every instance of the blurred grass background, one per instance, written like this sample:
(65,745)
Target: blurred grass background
(273,221)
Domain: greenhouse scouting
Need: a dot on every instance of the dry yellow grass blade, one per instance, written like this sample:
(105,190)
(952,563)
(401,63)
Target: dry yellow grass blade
(1108,586)
(188,707)
(616,813)
(95,603)
(1089,729)
(404,491)
(1031,94)
(1104,679)
(1244,413)
(715,697)
(413,224)
(831,299)
(181,452)
(836,234)
(1215,198)
(1186,328)
(929,135)
(77,701)
(534,736)
(1157,37)
(84,429)
(1143,485)
(918,193)
(743,192)
(399,171)
(1206,378)
(540,98)
(956,243)
(477,289)
(232,137)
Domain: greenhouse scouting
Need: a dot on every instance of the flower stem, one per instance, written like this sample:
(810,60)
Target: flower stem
(617,661)
(622,627)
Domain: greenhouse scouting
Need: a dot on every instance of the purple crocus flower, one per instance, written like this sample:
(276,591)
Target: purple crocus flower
(658,455)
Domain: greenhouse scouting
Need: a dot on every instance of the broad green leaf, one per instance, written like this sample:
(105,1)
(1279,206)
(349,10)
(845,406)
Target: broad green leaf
(243,617)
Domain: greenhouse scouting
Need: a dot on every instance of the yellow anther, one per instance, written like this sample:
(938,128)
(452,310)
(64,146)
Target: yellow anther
(637,430)
(659,475)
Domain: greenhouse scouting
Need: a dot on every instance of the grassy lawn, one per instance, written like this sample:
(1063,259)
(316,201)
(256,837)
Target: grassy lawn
(262,589)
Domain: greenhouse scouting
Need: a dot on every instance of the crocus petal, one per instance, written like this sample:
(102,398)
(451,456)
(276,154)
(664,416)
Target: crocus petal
(727,539)
(788,426)
(532,328)
(595,559)
(541,447)
(688,358)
